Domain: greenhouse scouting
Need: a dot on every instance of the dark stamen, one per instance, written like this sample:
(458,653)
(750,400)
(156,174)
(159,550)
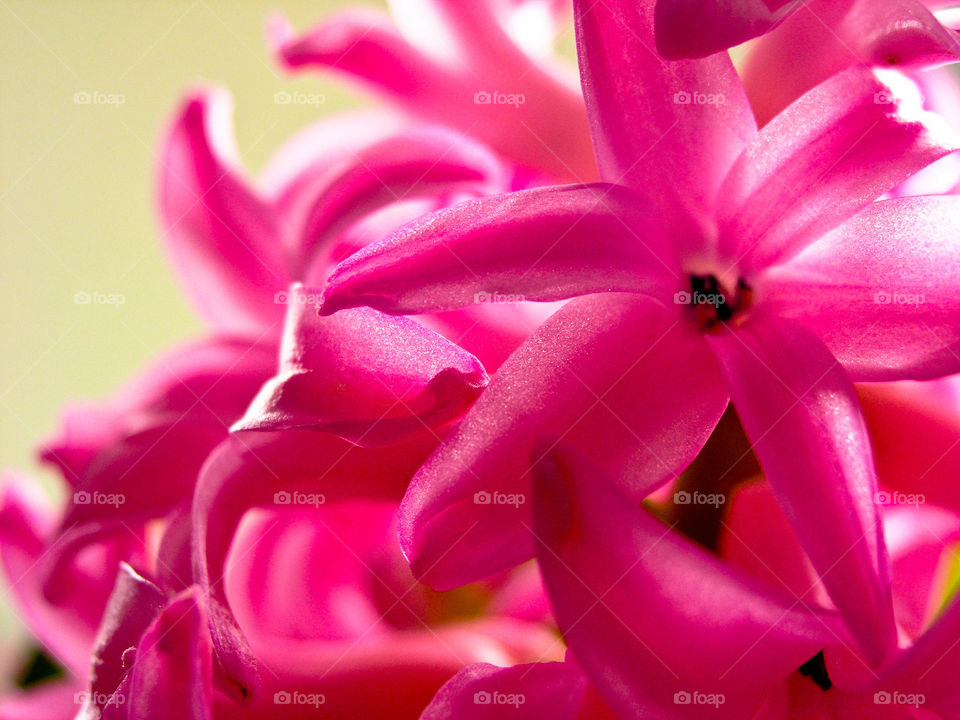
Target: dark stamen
(816,669)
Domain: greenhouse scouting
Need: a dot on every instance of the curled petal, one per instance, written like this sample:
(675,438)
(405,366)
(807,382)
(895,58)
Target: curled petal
(696,28)
(368,377)
(221,235)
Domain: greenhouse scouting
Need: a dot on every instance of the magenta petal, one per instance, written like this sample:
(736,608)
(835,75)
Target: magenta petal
(824,37)
(420,162)
(801,413)
(543,124)
(652,616)
(368,377)
(667,129)
(163,425)
(221,236)
(839,147)
(881,289)
(133,606)
(540,690)
(696,28)
(172,668)
(619,376)
(66,632)
(543,244)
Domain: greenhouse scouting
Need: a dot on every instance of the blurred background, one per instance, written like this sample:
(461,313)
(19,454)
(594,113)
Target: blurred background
(76,181)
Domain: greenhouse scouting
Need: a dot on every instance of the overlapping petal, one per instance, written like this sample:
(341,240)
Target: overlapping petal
(641,412)
(669,129)
(633,598)
(833,151)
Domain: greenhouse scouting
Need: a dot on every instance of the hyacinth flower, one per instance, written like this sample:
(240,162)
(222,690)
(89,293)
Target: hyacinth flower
(485,67)
(717,262)
(624,587)
(877,32)
(236,246)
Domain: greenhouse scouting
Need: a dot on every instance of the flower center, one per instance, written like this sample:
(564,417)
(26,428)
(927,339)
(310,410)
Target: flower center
(715,305)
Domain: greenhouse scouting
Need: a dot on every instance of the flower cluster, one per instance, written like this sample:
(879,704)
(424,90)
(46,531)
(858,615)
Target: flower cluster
(518,397)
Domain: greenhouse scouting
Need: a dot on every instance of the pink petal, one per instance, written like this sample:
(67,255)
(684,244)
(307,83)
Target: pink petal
(667,129)
(828,155)
(801,413)
(221,235)
(621,377)
(134,604)
(649,614)
(893,269)
(537,118)
(914,427)
(553,690)
(162,424)
(171,674)
(368,377)
(918,537)
(266,469)
(825,37)
(66,632)
(426,161)
(543,244)
(696,28)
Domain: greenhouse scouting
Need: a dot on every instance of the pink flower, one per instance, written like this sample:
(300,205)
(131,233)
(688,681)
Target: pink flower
(717,263)
(484,67)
